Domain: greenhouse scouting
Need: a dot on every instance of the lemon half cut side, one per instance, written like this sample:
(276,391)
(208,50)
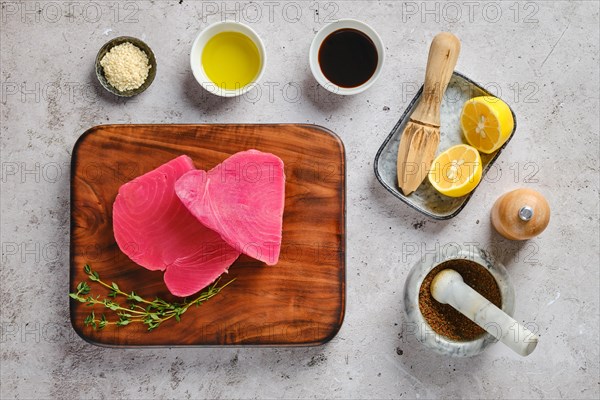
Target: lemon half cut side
(456,171)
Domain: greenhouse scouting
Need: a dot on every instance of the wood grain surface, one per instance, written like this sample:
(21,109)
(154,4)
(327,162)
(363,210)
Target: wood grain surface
(300,301)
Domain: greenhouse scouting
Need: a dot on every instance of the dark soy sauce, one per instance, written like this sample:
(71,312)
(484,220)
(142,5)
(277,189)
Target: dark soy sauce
(348,58)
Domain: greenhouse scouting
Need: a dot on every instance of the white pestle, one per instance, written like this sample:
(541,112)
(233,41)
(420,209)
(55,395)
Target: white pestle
(448,287)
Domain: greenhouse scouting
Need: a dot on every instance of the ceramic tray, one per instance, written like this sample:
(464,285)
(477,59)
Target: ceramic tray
(426,199)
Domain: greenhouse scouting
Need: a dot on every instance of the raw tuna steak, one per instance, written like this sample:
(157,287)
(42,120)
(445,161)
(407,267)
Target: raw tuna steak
(242,199)
(154,229)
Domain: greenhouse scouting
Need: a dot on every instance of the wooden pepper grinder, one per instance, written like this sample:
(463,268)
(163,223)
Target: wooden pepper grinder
(520,214)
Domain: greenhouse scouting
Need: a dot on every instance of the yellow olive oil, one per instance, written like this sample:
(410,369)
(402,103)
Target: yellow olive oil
(231,60)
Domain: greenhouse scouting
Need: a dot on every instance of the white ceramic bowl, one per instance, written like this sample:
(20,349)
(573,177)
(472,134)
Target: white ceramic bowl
(316,46)
(198,47)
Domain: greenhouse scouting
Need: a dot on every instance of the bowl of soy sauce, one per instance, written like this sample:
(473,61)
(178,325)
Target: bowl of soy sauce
(346,56)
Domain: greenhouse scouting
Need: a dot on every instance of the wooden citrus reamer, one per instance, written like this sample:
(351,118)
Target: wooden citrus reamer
(421,136)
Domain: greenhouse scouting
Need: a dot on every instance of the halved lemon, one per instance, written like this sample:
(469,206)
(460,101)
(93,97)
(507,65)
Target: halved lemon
(456,171)
(486,122)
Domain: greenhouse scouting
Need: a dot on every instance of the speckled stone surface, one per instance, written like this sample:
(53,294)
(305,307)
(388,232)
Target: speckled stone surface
(542,57)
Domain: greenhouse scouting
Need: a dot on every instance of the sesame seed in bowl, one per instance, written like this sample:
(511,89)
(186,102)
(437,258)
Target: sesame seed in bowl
(125,66)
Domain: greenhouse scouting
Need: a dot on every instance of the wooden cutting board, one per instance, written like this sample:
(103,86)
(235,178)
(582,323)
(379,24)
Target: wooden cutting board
(299,301)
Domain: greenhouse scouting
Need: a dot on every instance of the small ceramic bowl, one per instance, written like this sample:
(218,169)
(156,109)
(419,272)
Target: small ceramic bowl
(418,324)
(313,57)
(198,47)
(139,44)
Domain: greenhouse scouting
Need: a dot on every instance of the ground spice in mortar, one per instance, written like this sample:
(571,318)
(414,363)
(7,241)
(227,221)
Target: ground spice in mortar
(443,318)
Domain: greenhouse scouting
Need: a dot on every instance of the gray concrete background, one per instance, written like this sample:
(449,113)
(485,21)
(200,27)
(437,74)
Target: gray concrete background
(542,57)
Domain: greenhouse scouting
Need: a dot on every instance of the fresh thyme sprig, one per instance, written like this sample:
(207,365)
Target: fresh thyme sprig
(136,309)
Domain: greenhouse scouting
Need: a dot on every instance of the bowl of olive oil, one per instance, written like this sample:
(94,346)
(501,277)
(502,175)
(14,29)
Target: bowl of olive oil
(228,58)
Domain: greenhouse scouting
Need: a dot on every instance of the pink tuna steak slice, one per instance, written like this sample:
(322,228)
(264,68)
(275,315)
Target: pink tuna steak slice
(242,199)
(155,230)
